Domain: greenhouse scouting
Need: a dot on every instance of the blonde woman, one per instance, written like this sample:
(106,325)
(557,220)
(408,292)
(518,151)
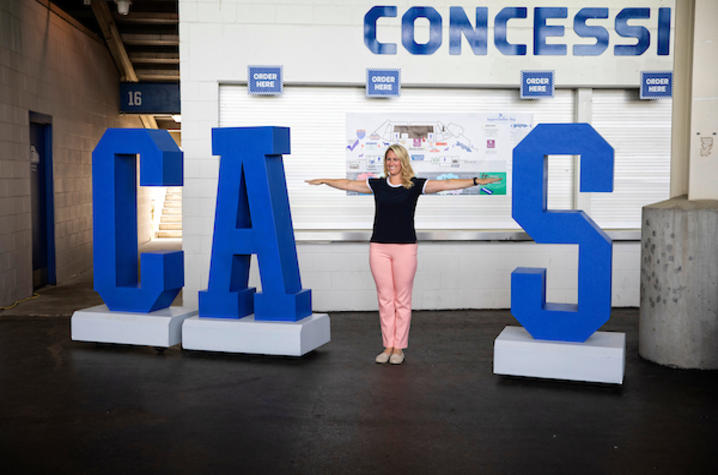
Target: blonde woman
(392,248)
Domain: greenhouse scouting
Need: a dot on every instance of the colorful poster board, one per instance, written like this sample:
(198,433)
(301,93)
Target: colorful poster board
(440,146)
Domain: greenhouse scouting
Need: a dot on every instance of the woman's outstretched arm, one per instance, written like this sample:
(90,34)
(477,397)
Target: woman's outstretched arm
(360,186)
(434,186)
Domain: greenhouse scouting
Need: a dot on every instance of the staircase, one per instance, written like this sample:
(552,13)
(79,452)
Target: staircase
(171,219)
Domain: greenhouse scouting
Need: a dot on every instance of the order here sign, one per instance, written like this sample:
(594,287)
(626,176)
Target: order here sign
(656,84)
(383,82)
(265,80)
(536,84)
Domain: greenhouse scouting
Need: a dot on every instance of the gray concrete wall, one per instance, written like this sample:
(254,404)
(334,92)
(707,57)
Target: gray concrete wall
(50,65)
(679,283)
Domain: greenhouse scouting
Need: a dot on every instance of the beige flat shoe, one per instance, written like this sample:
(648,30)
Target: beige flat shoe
(382,357)
(396,358)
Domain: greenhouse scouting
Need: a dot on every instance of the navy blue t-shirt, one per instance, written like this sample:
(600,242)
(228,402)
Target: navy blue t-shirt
(394,210)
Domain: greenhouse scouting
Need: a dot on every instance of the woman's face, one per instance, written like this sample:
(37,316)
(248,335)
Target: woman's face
(393,164)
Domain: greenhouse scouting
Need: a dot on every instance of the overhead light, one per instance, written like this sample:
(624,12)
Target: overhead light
(177,118)
(123,6)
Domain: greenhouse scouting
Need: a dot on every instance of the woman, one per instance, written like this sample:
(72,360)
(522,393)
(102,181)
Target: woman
(392,248)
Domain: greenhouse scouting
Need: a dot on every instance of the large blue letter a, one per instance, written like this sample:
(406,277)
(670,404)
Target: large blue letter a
(252,217)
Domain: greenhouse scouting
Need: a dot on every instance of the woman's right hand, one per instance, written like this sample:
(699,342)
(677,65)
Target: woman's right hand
(359,186)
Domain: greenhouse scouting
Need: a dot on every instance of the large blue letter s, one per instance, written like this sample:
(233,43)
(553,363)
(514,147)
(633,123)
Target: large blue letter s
(114,215)
(252,217)
(554,321)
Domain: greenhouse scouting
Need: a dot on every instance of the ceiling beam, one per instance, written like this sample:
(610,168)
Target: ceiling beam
(114,40)
(158,74)
(151,39)
(146,57)
(155,18)
(117,49)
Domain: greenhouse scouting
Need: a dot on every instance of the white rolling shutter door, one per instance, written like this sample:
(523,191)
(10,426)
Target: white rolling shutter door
(640,133)
(316,116)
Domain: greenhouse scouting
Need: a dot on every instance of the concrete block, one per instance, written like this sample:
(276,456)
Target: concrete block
(257,13)
(599,359)
(247,335)
(678,323)
(161,328)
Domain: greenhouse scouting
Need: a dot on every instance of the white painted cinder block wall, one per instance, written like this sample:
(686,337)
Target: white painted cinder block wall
(49,66)
(450,274)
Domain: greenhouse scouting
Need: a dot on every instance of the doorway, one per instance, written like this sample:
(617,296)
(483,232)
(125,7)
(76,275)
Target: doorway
(42,201)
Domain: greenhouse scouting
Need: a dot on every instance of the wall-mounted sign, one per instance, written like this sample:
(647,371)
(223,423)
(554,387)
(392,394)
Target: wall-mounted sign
(477,34)
(536,84)
(150,98)
(656,84)
(265,80)
(383,82)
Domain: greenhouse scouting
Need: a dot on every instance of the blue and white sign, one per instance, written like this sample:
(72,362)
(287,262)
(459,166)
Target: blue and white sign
(265,80)
(383,82)
(656,84)
(536,84)
(149,98)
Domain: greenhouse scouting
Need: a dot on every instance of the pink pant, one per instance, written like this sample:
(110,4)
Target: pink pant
(393,267)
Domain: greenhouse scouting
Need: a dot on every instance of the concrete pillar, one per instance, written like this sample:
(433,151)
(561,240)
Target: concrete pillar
(679,255)
(681,113)
(679,283)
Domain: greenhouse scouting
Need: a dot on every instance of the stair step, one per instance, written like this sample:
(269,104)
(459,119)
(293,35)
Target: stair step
(169,234)
(171,226)
(171,218)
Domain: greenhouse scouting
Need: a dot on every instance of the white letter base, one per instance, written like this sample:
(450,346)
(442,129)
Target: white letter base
(247,335)
(161,328)
(601,358)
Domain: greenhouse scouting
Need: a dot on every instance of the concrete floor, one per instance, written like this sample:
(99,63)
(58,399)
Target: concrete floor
(72,407)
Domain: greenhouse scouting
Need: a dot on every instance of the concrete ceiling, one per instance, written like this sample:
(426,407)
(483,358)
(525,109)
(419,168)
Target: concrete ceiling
(144,43)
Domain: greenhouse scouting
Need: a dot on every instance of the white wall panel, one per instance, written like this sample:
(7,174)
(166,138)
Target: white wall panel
(320,42)
(320,46)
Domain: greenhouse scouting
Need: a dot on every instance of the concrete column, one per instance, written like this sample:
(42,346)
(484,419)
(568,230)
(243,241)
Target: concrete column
(679,254)
(681,113)
(679,283)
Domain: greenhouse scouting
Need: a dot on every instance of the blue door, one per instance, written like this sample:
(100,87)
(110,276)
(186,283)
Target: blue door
(42,201)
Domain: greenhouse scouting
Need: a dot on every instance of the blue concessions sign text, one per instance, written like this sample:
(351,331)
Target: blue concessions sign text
(383,82)
(591,24)
(656,84)
(265,80)
(535,84)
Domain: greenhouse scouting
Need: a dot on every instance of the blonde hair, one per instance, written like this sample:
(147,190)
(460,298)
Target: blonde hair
(407,173)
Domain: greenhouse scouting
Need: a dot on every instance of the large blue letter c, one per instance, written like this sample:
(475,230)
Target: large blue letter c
(114,215)
(370,19)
